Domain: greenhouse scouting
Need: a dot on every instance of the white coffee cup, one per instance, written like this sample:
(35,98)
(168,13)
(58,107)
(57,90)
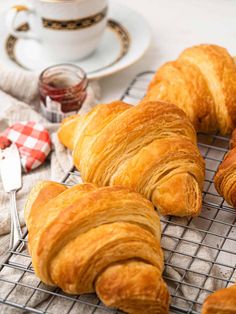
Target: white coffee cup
(68,30)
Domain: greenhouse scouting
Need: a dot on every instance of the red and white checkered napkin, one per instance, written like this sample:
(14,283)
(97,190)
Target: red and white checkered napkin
(32,140)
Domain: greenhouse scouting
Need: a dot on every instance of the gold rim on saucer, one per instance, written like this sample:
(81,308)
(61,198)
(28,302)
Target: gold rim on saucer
(120,31)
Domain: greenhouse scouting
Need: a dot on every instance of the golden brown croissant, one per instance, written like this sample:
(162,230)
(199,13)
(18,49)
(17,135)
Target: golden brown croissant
(222,301)
(150,148)
(225,177)
(202,82)
(106,240)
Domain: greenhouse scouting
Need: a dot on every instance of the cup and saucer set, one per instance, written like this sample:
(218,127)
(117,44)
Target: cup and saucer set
(100,36)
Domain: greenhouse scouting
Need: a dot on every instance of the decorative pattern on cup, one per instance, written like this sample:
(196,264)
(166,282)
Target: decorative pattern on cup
(115,26)
(75,24)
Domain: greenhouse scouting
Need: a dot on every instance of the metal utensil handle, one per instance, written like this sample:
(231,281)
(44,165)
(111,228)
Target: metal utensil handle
(17,234)
(11,244)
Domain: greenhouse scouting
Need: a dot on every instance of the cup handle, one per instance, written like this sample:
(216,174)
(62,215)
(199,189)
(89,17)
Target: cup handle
(11,17)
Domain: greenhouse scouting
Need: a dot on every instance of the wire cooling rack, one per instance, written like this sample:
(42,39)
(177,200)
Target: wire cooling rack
(200,253)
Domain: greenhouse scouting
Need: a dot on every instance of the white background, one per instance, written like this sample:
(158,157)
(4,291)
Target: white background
(175,25)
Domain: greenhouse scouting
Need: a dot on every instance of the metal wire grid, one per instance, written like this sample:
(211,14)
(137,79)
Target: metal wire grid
(200,253)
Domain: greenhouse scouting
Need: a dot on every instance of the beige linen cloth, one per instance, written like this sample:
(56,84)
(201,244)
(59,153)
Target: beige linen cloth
(18,90)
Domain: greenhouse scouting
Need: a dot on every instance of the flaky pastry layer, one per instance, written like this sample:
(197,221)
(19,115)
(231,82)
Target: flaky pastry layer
(84,238)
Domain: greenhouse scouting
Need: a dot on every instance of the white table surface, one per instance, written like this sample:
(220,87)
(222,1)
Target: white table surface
(175,25)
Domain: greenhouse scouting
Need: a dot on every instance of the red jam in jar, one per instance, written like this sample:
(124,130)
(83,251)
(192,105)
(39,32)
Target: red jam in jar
(63,90)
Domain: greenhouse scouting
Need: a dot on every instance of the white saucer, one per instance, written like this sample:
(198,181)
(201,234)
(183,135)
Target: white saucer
(126,39)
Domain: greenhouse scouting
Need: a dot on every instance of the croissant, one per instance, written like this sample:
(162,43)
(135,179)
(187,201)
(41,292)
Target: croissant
(222,301)
(202,82)
(150,148)
(106,240)
(225,177)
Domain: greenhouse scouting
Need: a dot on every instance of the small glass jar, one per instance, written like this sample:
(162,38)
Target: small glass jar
(63,90)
